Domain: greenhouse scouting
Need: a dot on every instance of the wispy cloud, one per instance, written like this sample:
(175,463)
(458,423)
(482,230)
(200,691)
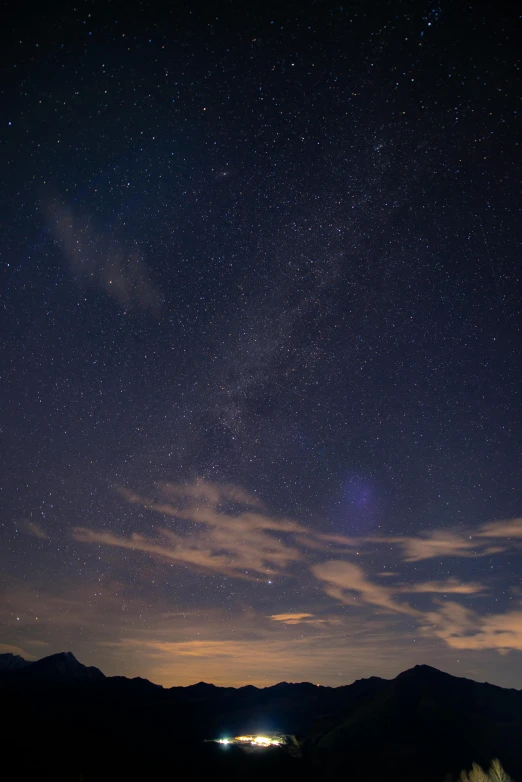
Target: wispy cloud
(331,544)
(212,493)
(477,542)
(233,534)
(304,618)
(230,540)
(349,584)
(225,529)
(449,586)
(208,503)
(341,540)
(290,618)
(461,628)
(436,544)
(102,262)
(509,528)
(458,626)
(36,530)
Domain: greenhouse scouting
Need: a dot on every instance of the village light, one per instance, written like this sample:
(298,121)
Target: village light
(254,741)
(259,741)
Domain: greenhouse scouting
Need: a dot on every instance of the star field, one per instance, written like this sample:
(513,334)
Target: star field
(260,358)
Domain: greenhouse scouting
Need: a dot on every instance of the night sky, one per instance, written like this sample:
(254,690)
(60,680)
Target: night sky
(260,356)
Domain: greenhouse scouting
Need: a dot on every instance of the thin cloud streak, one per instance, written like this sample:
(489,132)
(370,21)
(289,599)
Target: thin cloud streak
(36,530)
(450,586)
(509,528)
(100,262)
(204,503)
(304,619)
(348,583)
(240,543)
(290,618)
(461,628)
(431,545)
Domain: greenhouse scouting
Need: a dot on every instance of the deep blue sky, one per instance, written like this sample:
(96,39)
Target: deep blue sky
(260,366)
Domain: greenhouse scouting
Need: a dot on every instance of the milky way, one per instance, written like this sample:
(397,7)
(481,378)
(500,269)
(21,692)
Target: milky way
(261,340)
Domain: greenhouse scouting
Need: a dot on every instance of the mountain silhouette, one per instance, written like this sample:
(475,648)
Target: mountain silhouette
(423,719)
(11,662)
(56,669)
(424,724)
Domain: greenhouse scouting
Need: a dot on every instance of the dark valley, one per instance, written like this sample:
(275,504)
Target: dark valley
(66,721)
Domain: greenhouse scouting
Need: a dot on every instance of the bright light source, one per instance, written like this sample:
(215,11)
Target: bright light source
(263,741)
(255,741)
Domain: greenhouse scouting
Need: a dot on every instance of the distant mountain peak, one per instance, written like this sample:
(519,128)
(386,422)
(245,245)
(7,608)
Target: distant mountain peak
(421,670)
(62,666)
(69,656)
(12,662)
(65,659)
(285,687)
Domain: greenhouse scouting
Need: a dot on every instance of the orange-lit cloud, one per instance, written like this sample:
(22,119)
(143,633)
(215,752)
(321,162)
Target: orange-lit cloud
(235,536)
(348,583)
(462,628)
(509,528)
(225,529)
(439,543)
(304,618)
(290,618)
(204,503)
(255,553)
(450,586)
(238,542)
(445,542)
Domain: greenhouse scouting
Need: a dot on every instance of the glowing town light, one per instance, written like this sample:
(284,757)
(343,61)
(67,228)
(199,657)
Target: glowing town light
(254,741)
(264,741)
(259,741)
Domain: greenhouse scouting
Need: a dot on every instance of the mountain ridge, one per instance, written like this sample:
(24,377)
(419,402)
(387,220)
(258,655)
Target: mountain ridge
(11,662)
(69,664)
(54,668)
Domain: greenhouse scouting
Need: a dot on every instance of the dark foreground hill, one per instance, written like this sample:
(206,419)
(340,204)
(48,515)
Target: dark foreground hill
(66,722)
